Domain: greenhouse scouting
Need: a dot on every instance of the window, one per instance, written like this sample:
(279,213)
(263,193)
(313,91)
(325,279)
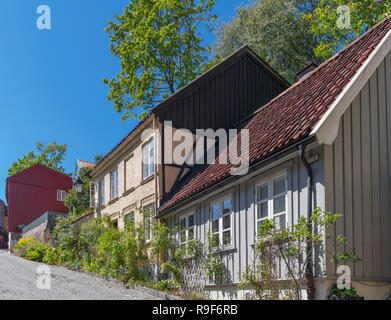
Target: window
(221,223)
(149,213)
(129,218)
(186,229)
(148,159)
(101,196)
(114,184)
(271,198)
(61,194)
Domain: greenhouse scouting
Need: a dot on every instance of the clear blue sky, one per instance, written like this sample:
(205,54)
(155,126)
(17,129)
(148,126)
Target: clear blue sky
(51,80)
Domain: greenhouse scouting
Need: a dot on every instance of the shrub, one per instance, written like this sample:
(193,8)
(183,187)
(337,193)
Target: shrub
(36,251)
(344,292)
(20,248)
(30,249)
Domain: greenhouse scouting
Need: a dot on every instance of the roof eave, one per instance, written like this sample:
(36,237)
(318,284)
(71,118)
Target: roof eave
(326,130)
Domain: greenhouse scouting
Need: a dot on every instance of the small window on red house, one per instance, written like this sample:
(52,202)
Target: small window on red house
(61,194)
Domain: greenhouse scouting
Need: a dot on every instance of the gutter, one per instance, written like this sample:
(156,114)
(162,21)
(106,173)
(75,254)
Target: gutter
(231,178)
(309,272)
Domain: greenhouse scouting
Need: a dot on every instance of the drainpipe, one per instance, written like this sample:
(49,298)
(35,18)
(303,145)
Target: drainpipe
(309,272)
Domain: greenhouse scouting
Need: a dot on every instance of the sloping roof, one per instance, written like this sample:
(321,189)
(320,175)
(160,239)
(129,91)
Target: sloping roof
(87,164)
(190,86)
(138,125)
(291,116)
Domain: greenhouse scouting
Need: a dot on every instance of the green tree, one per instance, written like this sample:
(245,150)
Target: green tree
(330,22)
(275,30)
(160,49)
(80,202)
(50,156)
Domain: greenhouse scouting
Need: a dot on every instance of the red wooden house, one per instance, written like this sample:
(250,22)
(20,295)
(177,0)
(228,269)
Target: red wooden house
(33,192)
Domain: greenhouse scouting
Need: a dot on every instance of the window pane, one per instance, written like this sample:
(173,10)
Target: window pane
(191,220)
(215,211)
(279,186)
(145,162)
(227,222)
(215,241)
(183,236)
(280,222)
(262,210)
(129,218)
(215,226)
(262,192)
(151,158)
(226,237)
(191,233)
(226,206)
(183,224)
(279,205)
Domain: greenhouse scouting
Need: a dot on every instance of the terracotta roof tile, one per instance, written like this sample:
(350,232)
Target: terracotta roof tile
(87,164)
(292,115)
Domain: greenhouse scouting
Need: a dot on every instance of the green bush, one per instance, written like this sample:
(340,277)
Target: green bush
(30,249)
(36,251)
(344,292)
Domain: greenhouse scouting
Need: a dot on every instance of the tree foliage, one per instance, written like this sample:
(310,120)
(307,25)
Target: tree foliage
(80,202)
(275,30)
(329,15)
(160,49)
(50,156)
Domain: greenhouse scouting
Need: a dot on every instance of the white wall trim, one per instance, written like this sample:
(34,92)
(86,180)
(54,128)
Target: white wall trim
(326,130)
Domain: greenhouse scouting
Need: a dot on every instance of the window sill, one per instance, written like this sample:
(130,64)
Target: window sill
(223,249)
(128,192)
(146,180)
(113,201)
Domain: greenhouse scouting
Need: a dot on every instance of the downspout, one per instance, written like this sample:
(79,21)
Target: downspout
(309,272)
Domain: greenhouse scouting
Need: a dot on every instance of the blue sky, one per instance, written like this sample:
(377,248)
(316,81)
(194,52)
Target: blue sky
(51,80)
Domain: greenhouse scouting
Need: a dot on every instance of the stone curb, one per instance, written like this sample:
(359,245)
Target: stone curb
(152,292)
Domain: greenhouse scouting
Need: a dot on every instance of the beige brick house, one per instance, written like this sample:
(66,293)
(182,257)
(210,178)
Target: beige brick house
(126,179)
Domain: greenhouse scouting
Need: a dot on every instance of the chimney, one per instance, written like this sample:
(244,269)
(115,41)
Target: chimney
(308,68)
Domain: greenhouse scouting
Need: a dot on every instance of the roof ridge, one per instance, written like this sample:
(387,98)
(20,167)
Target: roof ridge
(323,64)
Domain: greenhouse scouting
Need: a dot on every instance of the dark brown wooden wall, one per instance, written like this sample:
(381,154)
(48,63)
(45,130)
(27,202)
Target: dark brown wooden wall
(223,97)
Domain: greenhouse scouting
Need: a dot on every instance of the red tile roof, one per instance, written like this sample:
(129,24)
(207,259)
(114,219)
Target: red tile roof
(291,116)
(87,164)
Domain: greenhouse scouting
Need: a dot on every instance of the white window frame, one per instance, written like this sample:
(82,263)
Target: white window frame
(186,217)
(148,163)
(101,193)
(149,219)
(114,189)
(61,194)
(220,201)
(130,214)
(270,198)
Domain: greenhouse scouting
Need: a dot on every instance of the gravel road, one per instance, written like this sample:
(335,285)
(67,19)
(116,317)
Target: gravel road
(18,281)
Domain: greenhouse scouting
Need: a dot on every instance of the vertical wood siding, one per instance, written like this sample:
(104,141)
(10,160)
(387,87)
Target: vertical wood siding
(244,214)
(223,98)
(358,177)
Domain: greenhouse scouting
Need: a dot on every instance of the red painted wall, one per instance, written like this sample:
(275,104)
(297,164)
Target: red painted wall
(33,192)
